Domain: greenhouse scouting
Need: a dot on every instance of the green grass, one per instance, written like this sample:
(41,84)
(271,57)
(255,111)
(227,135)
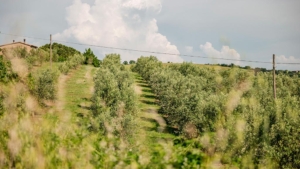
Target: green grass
(147,98)
(78,90)
(148,101)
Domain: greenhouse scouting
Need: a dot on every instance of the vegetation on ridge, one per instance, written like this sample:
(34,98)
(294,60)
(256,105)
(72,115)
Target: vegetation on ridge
(73,115)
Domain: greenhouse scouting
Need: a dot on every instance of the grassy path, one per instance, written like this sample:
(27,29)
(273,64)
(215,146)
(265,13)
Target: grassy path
(79,90)
(152,123)
(75,91)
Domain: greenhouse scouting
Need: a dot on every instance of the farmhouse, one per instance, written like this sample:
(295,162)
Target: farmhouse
(23,44)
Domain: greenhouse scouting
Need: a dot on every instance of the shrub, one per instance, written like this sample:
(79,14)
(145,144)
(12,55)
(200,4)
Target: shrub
(6,72)
(112,60)
(37,57)
(20,52)
(3,70)
(114,101)
(64,68)
(44,84)
(63,52)
(96,62)
(1,103)
(131,62)
(90,58)
(71,63)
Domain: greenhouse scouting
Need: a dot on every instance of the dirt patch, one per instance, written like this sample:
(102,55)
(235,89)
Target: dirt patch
(92,90)
(61,92)
(88,74)
(32,104)
(79,81)
(89,78)
(14,96)
(158,118)
(137,89)
(19,66)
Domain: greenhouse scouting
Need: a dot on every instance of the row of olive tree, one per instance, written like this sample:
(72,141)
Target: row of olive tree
(41,82)
(114,100)
(115,120)
(236,106)
(71,63)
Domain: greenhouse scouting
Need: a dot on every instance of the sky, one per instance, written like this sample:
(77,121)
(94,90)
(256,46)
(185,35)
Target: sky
(231,29)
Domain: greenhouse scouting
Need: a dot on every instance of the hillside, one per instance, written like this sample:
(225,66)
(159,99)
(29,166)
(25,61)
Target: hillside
(145,115)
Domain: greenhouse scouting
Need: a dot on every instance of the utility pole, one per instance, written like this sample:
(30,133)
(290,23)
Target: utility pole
(51,50)
(274,78)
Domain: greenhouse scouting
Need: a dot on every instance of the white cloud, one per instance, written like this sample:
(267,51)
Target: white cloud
(226,53)
(118,23)
(136,18)
(143,4)
(189,49)
(284,59)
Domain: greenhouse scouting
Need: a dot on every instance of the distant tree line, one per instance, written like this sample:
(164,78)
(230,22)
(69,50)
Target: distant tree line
(258,69)
(62,53)
(130,62)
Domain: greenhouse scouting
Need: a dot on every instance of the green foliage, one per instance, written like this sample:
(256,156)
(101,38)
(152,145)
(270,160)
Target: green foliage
(114,101)
(63,52)
(90,58)
(232,103)
(43,84)
(71,63)
(64,68)
(112,60)
(146,66)
(247,67)
(125,63)
(21,52)
(34,57)
(75,60)
(233,113)
(96,62)
(131,62)
(1,104)
(37,57)
(6,72)
(3,70)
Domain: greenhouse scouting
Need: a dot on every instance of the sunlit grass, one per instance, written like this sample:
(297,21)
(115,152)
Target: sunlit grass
(78,90)
(148,104)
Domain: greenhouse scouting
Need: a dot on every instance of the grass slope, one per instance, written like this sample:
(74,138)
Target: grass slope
(79,90)
(151,122)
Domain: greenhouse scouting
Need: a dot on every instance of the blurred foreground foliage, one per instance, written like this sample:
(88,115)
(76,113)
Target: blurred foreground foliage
(226,118)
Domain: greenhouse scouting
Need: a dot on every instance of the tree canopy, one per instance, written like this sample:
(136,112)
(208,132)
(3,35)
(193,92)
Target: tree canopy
(91,58)
(60,52)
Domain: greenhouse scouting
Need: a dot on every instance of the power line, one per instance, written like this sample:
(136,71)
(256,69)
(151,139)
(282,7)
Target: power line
(24,36)
(145,51)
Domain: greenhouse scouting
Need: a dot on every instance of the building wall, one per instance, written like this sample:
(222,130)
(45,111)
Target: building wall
(15,45)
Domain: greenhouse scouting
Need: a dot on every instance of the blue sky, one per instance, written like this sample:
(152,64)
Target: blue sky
(233,29)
